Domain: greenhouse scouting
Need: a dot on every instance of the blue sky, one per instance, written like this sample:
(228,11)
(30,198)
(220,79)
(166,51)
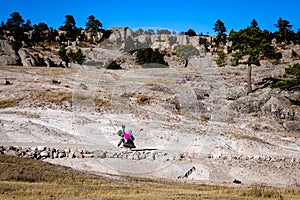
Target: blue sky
(178,15)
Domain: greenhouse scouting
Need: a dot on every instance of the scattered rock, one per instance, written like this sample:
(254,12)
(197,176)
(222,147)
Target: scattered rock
(237,181)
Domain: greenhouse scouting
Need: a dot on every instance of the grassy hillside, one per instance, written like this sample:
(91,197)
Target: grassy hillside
(22,178)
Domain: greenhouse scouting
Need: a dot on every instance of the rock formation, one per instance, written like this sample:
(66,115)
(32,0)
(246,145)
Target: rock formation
(8,55)
(26,59)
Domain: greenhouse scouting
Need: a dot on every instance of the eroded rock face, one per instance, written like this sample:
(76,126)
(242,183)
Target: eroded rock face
(162,42)
(120,35)
(272,104)
(26,59)
(8,55)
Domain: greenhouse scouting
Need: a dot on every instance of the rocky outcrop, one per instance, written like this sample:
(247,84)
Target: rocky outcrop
(8,55)
(162,42)
(278,109)
(252,103)
(120,35)
(272,104)
(26,59)
(42,152)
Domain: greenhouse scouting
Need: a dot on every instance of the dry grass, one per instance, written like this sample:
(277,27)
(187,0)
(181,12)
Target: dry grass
(291,134)
(143,99)
(22,178)
(249,137)
(9,103)
(102,102)
(56,97)
(45,71)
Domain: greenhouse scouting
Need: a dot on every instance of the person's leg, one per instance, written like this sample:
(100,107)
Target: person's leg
(120,142)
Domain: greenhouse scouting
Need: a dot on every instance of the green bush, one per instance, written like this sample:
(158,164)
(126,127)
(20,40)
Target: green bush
(221,59)
(290,84)
(293,70)
(78,57)
(114,65)
(293,83)
(147,55)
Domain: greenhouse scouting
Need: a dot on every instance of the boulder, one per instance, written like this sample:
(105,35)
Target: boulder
(252,103)
(8,55)
(100,154)
(278,109)
(26,59)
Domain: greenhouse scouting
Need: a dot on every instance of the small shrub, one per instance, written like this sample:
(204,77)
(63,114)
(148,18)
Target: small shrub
(221,59)
(114,65)
(76,57)
(143,99)
(291,84)
(147,55)
(293,70)
(294,54)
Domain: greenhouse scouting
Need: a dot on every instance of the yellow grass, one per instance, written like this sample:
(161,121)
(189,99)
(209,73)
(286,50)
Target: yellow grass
(54,96)
(45,71)
(9,103)
(249,137)
(22,178)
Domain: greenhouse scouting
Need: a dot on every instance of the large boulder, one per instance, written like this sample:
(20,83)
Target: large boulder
(251,103)
(8,55)
(278,109)
(26,59)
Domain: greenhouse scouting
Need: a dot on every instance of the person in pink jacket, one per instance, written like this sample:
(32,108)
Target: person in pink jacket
(129,140)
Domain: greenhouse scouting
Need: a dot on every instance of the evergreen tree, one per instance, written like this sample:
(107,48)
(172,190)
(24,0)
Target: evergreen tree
(186,52)
(147,55)
(63,55)
(149,32)
(70,28)
(40,32)
(93,25)
(254,23)
(284,30)
(163,31)
(138,32)
(14,26)
(252,42)
(220,29)
(191,32)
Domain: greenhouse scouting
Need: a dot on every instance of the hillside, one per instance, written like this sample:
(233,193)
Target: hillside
(198,122)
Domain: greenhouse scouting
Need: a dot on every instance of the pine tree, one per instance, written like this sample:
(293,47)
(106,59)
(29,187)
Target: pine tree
(220,29)
(252,42)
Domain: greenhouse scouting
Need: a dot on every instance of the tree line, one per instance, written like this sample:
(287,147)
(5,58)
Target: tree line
(250,41)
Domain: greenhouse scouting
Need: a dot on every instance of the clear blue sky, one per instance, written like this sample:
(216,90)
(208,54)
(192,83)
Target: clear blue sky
(179,15)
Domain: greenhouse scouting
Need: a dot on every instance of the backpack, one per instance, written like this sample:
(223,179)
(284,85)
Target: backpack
(119,133)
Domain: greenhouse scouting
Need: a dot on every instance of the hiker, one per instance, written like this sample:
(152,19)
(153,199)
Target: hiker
(121,134)
(129,140)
